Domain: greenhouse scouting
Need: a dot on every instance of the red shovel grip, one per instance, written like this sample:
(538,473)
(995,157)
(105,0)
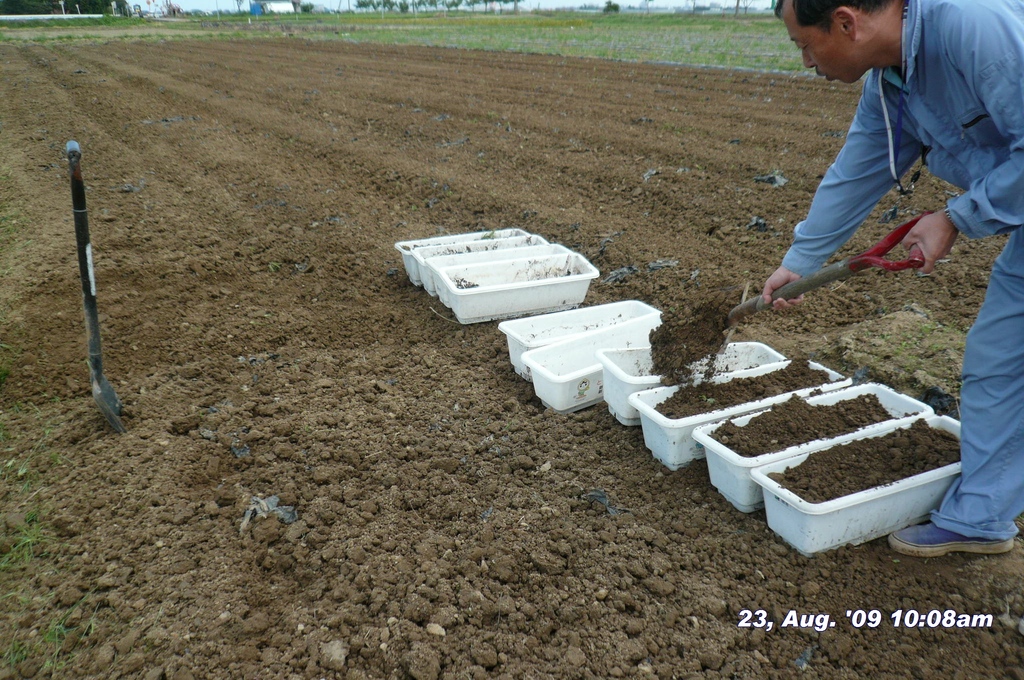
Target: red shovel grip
(874,256)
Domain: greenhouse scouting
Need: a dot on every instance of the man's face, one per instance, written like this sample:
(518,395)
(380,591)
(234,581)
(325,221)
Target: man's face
(829,53)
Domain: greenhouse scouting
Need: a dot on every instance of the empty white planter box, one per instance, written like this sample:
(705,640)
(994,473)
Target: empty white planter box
(430,270)
(730,471)
(483,292)
(567,375)
(545,329)
(671,439)
(859,517)
(412,267)
(430,258)
(627,371)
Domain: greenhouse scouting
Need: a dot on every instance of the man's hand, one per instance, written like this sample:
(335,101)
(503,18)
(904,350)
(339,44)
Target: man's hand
(934,235)
(781,277)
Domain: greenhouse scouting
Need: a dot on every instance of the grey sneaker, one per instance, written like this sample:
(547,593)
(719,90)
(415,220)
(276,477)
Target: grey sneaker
(928,540)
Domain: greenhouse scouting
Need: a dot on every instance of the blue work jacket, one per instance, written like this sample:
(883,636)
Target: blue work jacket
(963,107)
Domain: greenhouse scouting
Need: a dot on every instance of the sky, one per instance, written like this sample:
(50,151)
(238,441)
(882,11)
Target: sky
(230,6)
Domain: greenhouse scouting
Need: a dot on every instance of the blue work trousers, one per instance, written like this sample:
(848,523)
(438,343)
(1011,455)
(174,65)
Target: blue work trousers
(989,495)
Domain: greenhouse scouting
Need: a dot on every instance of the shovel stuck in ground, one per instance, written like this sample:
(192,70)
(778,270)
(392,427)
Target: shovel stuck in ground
(844,269)
(102,390)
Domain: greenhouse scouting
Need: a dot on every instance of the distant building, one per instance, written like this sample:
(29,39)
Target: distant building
(274,7)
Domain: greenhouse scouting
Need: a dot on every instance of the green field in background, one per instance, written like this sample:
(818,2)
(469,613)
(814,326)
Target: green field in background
(754,41)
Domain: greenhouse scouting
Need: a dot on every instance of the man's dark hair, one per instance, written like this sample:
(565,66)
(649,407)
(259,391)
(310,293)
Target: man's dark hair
(819,12)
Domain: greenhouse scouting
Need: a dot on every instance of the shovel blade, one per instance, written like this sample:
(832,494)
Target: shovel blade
(106,398)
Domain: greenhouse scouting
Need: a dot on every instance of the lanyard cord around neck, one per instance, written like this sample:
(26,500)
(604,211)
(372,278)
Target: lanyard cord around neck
(894,140)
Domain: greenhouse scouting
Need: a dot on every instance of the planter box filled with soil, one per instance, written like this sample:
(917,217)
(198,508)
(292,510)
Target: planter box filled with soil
(631,370)
(857,491)
(668,415)
(502,290)
(793,427)
(412,265)
(547,329)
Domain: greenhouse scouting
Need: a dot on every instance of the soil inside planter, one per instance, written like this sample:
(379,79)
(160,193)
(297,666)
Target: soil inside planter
(704,397)
(867,463)
(795,422)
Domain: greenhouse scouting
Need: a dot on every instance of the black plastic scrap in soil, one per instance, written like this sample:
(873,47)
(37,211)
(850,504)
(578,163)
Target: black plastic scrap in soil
(620,274)
(774,178)
(599,496)
(661,264)
(943,403)
(259,507)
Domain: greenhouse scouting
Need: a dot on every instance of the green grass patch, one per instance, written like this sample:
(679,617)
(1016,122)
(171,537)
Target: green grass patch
(57,641)
(748,41)
(18,471)
(755,42)
(15,653)
(26,541)
(64,24)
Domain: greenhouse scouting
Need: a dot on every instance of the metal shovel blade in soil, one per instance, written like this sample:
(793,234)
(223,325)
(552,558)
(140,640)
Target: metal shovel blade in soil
(102,391)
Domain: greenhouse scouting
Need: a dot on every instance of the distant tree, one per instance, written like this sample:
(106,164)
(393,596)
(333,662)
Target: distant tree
(306,8)
(610,7)
(24,7)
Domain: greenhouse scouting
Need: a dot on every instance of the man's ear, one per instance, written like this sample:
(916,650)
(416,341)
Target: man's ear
(845,21)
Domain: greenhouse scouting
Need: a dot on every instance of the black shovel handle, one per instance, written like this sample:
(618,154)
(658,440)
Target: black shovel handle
(85,268)
(837,271)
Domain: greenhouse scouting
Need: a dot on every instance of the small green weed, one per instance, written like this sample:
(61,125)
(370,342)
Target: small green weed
(30,538)
(15,653)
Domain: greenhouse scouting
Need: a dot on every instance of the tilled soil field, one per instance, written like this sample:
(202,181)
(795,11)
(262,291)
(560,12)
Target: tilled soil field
(245,198)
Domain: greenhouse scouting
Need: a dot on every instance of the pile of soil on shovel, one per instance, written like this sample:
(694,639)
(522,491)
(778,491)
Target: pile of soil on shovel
(689,334)
(795,422)
(867,463)
(691,400)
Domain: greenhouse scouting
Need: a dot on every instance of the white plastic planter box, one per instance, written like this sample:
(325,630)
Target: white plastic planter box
(484,292)
(412,267)
(859,517)
(671,439)
(545,329)
(567,375)
(730,471)
(431,268)
(627,371)
(433,258)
